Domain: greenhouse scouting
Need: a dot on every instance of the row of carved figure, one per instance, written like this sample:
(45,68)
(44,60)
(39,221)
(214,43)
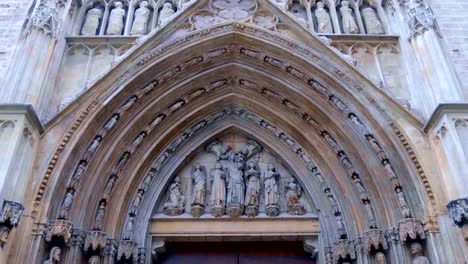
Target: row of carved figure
(96,20)
(346,18)
(237,189)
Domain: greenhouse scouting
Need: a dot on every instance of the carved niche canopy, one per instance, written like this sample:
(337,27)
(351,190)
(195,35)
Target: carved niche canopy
(234,176)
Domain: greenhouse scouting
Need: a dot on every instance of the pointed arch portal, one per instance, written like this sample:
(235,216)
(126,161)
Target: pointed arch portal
(158,110)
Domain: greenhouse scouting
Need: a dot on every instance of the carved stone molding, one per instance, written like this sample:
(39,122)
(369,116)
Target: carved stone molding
(127,249)
(96,240)
(60,229)
(458,211)
(411,229)
(343,249)
(10,213)
(374,238)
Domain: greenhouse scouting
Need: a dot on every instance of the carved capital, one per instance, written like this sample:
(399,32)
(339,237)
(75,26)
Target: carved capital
(60,229)
(96,240)
(111,247)
(127,249)
(10,213)
(411,229)
(431,224)
(458,211)
(78,238)
(343,249)
(374,238)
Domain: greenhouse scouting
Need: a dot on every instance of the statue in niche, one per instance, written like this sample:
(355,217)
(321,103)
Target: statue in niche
(94,260)
(360,188)
(389,169)
(91,24)
(116,20)
(341,226)
(405,210)
(99,219)
(66,205)
(372,21)
(376,147)
(146,182)
(166,12)
(110,124)
(92,148)
(349,23)
(332,200)
(54,256)
(271,191)
(108,189)
(324,24)
(199,189)
(218,190)
(140,23)
(417,251)
(76,178)
(136,203)
(252,176)
(127,233)
(175,204)
(236,190)
(370,214)
(293,198)
(380,258)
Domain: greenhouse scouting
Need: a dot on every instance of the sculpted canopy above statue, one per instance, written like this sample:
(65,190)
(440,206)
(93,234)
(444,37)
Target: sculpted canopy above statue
(234,176)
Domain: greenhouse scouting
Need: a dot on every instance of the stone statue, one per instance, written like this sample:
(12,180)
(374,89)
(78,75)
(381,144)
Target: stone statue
(76,178)
(91,24)
(99,219)
(166,12)
(94,260)
(127,234)
(372,22)
(293,196)
(370,214)
(360,188)
(252,176)
(324,24)
(175,204)
(54,256)
(271,191)
(380,258)
(92,148)
(389,169)
(218,190)
(110,124)
(199,189)
(140,23)
(405,210)
(66,205)
(116,20)
(341,226)
(136,202)
(108,189)
(221,151)
(417,251)
(236,190)
(349,23)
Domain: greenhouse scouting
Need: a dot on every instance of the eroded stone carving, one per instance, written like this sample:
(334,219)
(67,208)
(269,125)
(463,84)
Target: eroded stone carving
(166,12)
(458,211)
(78,173)
(271,191)
(252,200)
(236,9)
(199,189)
(372,21)
(293,198)
(10,213)
(127,249)
(218,190)
(235,189)
(380,258)
(411,229)
(405,210)
(175,204)
(370,214)
(116,20)
(94,260)
(54,256)
(324,24)
(140,23)
(66,205)
(95,240)
(348,21)
(92,20)
(374,239)
(59,228)
(343,249)
(417,251)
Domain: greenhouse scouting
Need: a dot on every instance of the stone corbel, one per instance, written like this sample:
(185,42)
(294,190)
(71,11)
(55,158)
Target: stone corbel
(95,240)
(10,216)
(458,211)
(411,229)
(374,239)
(343,249)
(60,229)
(127,249)
(431,225)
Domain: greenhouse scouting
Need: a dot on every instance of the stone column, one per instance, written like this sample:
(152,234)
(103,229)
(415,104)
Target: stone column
(19,133)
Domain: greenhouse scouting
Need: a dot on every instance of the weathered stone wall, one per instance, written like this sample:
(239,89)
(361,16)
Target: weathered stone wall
(12,16)
(452,17)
